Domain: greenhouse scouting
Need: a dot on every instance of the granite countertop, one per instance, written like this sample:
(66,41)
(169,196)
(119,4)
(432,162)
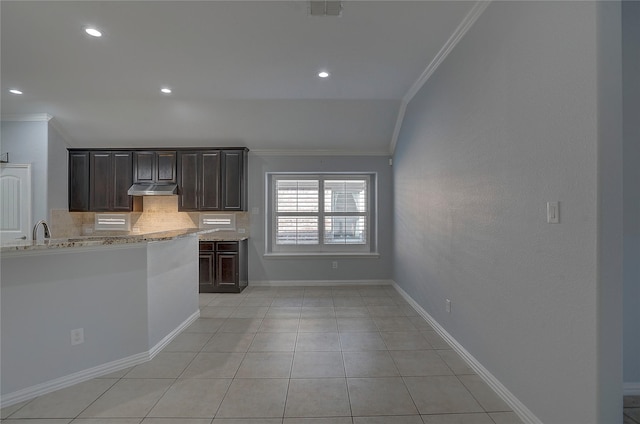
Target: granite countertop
(95,240)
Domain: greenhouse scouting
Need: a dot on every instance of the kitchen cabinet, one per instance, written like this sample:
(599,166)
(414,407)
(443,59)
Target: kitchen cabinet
(212,180)
(223,266)
(154,167)
(199,180)
(78,181)
(110,178)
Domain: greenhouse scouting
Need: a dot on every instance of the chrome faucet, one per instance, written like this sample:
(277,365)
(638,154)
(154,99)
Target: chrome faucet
(47,234)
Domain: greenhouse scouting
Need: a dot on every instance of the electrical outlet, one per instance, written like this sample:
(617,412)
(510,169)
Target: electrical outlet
(77,336)
(334,265)
(448,306)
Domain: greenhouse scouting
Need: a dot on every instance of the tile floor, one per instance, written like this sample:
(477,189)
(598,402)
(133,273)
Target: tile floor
(632,410)
(294,355)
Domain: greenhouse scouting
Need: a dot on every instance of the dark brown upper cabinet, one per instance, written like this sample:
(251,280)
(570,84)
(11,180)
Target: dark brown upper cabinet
(154,167)
(212,180)
(110,178)
(78,181)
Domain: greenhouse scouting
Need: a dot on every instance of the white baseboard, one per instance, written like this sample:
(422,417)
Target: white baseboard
(632,389)
(514,403)
(319,283)
(93,372)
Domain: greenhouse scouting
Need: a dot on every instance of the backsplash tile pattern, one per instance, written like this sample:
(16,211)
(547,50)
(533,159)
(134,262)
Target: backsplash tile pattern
(160,213)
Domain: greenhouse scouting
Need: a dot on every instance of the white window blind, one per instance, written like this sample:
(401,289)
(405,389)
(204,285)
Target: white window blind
(320,213)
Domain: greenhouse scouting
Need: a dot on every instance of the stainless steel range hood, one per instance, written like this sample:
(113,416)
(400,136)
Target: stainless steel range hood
(153,190)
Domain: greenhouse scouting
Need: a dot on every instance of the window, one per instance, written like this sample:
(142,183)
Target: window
(320,213)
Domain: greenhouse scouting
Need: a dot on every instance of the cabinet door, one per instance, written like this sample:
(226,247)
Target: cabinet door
(122,180)
(227,271)
(206,272)
(210,181)
(143,167)
(165,167)
(78,181)
(101,187)
(233,180)
(188,173)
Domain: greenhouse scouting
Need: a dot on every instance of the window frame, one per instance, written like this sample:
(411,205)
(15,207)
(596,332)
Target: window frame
(321,248)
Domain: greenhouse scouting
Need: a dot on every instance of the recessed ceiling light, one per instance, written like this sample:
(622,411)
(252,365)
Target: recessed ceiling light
(15,91)
(165,90)
(93,32)
(323,74)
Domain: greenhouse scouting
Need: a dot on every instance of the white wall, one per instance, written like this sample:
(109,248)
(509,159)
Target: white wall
(508,122)
(631,104)
(263,269)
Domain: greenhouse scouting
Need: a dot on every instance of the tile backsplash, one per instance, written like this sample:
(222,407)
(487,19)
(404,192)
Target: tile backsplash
(160,213)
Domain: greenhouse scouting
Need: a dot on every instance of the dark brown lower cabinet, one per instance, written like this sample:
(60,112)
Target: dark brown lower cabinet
(223,266)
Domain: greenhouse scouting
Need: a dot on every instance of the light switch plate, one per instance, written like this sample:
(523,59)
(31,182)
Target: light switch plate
(553,212)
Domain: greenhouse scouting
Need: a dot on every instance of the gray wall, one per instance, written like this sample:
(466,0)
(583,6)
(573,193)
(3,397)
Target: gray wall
(57,171)
(631,104)
(264,270)
(27,142)
(508,122)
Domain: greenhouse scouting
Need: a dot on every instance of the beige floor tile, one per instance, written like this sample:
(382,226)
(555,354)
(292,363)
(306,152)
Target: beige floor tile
(188,342)
(317,301)
(8,410)
(39,421)
(409,311)
(633,413)
(359,341)
(317,397)
(216,311)
(256,301)
(273,342)
(393,324)
(249,312)
(458,419)
(398,419)
(317,365)
(435,340)
(279,325)
(290,292)
(292,312)
(175,421)
(205,298)
(373,363)
(287,302)
(205,325)
(266,365)
(101,421)
(414,363)
(373,292)
(385,311)
(317,312)
(405,340)
(455,362)
(229,342)
(65,403)
(356,324)
(318,325)
(379,301)
(331,420)
(192,398)
(128,398)
(247,421)
(318,342)
(379,396)
(164,365)
(348,301)
(352,312)
(117,374)
(441,395)
(257,398)
(631,401)
(489,400)
(241,325)
(225,301)
(214,365)
(505,418)
(318,292)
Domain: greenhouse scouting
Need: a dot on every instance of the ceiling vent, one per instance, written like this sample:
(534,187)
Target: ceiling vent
(325,8)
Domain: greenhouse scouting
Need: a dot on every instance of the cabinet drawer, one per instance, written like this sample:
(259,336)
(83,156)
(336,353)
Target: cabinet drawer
(226,246)
(206,246)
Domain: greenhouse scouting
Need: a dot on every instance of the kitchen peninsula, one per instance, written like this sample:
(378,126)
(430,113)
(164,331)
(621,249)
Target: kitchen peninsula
(73,309)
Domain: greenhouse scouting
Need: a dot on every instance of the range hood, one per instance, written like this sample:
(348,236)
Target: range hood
(153,190)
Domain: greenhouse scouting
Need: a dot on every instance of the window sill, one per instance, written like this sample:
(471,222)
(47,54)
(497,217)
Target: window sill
(290,255)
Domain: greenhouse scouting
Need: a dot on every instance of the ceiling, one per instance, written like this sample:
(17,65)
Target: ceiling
(243,73)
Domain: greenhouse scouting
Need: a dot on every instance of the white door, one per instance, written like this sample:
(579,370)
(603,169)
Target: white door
(15,202)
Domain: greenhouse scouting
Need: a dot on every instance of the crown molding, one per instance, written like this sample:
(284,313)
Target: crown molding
(453,40)
(265,152)
(31,117)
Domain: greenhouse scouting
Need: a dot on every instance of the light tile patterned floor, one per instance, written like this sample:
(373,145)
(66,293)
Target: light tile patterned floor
(287,355)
